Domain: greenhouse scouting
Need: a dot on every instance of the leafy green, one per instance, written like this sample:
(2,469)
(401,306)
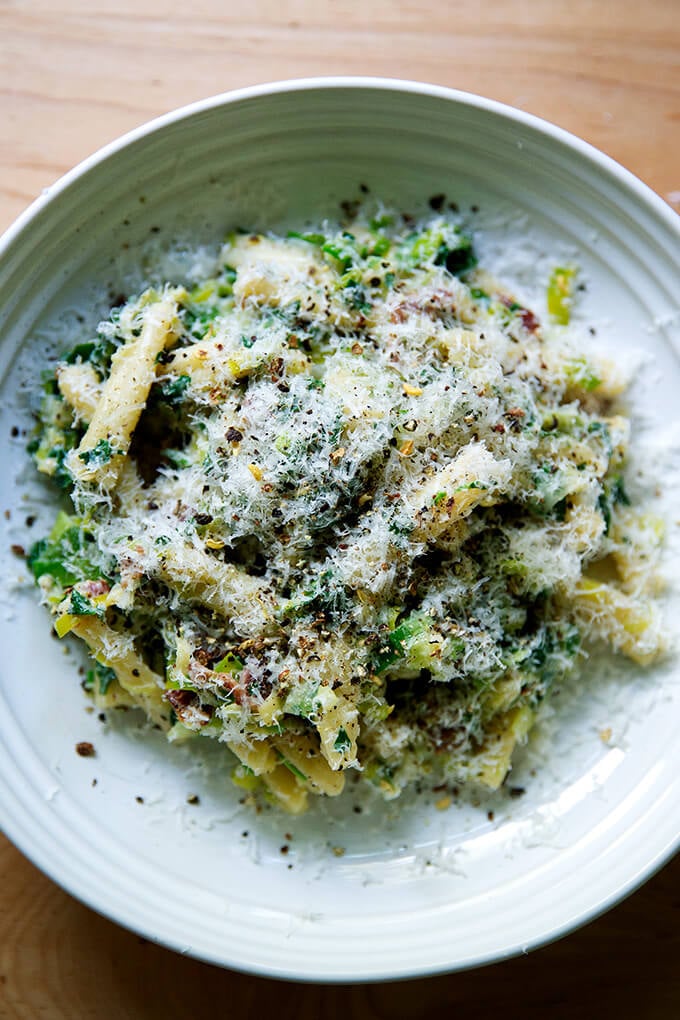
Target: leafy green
(394,647)
(229,664)
(81,606)
(325,593)
(100,676)
(618,491)
(613,493)
(441,245)
(173,390)
(342,742)
(97,352)
(61,474)
(462,259)
(99,455)
(548,653)
(68,555)
(199,320)
(343,252)
(381,246)
(302,699)
(550,492)
(356,298)
(378,223)
(317,239)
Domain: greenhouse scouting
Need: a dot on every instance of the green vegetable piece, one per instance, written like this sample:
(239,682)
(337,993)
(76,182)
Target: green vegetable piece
(462,258)
(66,554)
(283,442)
(579,371)
(476,484)
(337,253)
(173,390)
(62,525)
(61,475)
(381,246)
(571,642)
(199,319)
(81,352)
(618,492)
(561,420)
(427,246)
(98,352)
(351,278)
(356,297)
(49,383)
(549,653)
(81,606)
(379,223)
(203,291)
(613,494)
(342,742)
(442,246)
(401,642)
(455,648)
(514,568)
(225,284)
(552,486)
(293,768)
(229,664)
(559,294)
(317,239)
(98,455)
(43,558)
(302,699)
(176,458)
(101,676)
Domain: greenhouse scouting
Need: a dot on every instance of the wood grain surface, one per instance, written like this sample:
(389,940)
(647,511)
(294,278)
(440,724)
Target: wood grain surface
(75,74)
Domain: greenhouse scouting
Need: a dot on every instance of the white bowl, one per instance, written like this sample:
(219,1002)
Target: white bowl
(417,890)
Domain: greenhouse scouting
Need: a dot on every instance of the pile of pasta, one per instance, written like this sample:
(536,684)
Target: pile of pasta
(346,505)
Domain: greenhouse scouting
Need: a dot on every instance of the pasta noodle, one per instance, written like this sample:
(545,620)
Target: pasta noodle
(115,416)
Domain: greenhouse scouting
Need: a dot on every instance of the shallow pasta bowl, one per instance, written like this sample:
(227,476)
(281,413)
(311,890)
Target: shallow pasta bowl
(404,888)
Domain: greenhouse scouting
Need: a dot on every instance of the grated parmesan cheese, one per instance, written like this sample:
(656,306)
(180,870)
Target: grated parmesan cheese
(343,503)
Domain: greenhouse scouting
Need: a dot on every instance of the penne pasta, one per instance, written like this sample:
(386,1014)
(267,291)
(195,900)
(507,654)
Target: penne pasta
(98,457)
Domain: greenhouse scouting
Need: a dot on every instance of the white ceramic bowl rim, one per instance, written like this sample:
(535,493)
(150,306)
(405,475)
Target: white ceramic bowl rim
(642,191)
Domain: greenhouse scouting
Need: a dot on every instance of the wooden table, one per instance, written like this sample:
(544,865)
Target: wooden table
(75,74)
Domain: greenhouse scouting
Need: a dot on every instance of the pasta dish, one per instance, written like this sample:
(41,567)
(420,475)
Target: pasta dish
(344,505)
